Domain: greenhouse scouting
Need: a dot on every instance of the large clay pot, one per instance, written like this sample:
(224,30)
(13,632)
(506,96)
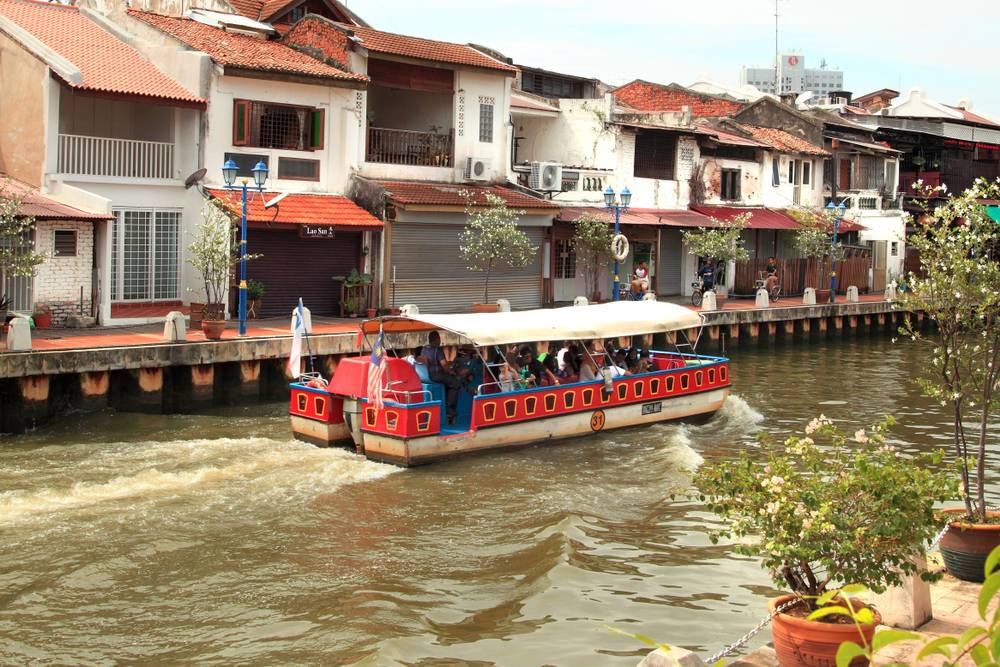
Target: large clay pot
(485,308)
(42,320)
(213,328)
(966,545)
(822,296)
(802,643)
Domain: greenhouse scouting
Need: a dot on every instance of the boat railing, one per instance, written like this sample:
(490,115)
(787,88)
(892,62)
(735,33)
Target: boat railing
(425,395)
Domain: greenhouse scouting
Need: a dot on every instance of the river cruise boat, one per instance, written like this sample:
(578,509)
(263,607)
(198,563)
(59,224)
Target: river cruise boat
(412,427)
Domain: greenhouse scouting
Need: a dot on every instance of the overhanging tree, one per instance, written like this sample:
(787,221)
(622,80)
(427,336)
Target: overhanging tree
(17,257)
(722,242)
(491,238)
(592,245)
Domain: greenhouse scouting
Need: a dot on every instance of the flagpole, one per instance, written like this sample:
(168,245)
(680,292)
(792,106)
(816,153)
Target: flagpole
(305,330)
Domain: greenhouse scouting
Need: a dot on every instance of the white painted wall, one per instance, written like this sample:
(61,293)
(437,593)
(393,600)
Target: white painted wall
(889,227)
(579,136)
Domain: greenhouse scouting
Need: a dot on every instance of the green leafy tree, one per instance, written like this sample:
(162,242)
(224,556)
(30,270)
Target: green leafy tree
(825,507)
(214,253)
(491,238)
(722,242)
(592,245)
(17,258)
(815,235)
(960,291)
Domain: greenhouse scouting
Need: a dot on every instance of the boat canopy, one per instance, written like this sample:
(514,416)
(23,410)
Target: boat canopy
(606,320)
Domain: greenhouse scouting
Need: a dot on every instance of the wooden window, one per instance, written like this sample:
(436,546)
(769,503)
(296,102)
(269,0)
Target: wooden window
(391,420)
(723,373)
(640,389)
(297,169)
(423,420)
(297,13)
(486,123)
(807,172)
(302,401)
(775,171)
(731,184)
(370,417)
(655,155)
(65,243)
(282,126)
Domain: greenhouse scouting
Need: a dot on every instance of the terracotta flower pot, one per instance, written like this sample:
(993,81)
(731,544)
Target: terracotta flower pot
(966,545)
(213,328)
(42,320)
(802,643)
(485,308)
(822,296)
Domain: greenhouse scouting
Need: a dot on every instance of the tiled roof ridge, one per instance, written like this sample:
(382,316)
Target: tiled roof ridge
(674,86)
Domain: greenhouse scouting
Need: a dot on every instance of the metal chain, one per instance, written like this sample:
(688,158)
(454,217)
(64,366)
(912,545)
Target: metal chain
(739,643)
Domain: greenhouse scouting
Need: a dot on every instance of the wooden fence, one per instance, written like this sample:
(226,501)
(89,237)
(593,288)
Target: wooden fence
(800,273)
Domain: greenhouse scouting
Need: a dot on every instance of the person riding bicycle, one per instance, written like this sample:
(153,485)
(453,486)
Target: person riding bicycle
(771,270)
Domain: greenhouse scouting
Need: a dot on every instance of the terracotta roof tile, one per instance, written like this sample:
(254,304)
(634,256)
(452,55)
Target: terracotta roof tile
(781,140)
(243,51)
(389,43)
(646,96)
(449,194)
(40,207)
(108,64)
(301,209)
(972,117)
(767,218)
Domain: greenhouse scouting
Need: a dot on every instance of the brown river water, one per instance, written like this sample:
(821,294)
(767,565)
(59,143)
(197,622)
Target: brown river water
(216,539)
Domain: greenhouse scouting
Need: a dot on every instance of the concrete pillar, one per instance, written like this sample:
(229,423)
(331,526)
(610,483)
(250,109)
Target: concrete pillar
(202,386)
(772,331)
(809,297)
(894,321)
(713,337)
(140,390)
(34,399)
(880,318)
(788,327)
(734,335)
(821,326)
(805,327)
(867,320)
(93,393)
(838,323)
(852,294)
(751,332)
(907,606)
(250,380)
(852,323)
(762,300)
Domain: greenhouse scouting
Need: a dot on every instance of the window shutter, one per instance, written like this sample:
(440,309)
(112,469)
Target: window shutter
(241,122)
(318,129)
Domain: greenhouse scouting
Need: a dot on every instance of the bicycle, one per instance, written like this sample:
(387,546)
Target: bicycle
(698,294)
(774,293)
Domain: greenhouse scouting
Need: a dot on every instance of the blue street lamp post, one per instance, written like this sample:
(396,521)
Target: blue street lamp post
(609,201)
(229,171)
(838,215)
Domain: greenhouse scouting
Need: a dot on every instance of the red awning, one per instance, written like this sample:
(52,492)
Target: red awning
(640,216)
(761,218)
(300,209)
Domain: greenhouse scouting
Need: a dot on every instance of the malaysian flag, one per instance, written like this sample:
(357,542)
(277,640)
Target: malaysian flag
(376,372)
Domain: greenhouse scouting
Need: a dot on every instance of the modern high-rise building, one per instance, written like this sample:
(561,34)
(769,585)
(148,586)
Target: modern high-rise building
(794,77)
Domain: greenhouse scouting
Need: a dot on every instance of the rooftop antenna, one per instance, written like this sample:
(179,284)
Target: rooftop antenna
(777,56)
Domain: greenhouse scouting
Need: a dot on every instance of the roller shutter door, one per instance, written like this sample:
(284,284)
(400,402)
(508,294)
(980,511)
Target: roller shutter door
(668,278)
(291,267)
(430,272)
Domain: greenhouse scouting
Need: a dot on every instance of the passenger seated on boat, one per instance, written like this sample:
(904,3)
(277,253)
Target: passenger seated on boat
(441,371)
(551,370)
(508,378)
(617,366)
(419,364)
(569,369)
(588,365)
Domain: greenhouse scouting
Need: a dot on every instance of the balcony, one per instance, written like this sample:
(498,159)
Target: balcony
(81,155)
(410,147)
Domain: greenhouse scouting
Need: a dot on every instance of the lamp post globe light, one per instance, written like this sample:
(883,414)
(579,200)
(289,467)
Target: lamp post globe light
(229,172)
(838,215)
(625,198)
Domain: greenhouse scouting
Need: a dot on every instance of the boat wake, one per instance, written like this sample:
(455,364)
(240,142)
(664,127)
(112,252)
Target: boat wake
(173,470)
(737,414)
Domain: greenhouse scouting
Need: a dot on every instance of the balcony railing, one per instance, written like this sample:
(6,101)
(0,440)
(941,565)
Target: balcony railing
(81,155)
(409,147)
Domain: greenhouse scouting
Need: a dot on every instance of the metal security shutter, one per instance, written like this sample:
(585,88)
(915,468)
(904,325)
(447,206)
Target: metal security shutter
(430,272)
(291,267)
(668,276)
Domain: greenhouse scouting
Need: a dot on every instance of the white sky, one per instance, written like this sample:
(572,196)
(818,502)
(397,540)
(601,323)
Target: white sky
(950,49)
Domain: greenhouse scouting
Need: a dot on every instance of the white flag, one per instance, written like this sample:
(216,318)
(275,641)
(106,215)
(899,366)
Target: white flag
(295,356)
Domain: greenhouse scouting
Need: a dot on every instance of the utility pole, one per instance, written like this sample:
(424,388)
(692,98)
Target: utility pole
(777,59)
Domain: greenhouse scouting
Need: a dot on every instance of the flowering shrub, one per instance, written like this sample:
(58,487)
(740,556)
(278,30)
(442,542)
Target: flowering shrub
(722,242)
(825,507)
(492,238)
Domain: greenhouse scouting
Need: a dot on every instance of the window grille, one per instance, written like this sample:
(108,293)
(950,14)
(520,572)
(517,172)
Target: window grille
(565,259)
(298,169)
(64,243)
(145,256)
(655,155)
(277,126)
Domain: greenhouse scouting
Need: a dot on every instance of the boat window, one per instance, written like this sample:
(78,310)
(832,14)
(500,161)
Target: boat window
(654,386)
(699,379)
(622,391)
(510,408)
(588,396)
(530,404)
(685,380)
(370,416)
(391,420)
(319,405)
(711,376)
(303,401)
(640,388)
(723,373)
(423,420)
(550,402)
(569,399)
(670,385)
(490,411)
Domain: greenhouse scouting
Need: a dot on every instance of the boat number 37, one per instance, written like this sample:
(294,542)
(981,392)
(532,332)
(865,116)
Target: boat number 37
(597,420)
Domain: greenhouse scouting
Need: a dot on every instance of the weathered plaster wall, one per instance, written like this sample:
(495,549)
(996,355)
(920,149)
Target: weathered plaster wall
(23,112)
(59,280)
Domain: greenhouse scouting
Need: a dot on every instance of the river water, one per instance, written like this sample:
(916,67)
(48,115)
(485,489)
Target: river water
(217,539)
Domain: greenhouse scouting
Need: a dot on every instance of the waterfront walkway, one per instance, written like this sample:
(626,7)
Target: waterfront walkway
(152,334)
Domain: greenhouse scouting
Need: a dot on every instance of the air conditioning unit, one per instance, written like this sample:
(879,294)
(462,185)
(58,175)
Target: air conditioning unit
(477,169)
(545,176)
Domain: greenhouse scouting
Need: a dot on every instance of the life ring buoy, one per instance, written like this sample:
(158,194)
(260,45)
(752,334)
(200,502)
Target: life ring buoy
(318,383)
(619,247)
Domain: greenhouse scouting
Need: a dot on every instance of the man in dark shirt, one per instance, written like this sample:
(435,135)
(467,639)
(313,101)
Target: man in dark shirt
(440,370)
(707,274)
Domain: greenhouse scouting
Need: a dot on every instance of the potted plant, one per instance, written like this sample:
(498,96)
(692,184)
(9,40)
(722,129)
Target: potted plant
(42,315)
(491,238)
(592,244)
(721,242)
(354,293)
(823,509)
(255,298)
(814,240)
(214,252)
(960,292)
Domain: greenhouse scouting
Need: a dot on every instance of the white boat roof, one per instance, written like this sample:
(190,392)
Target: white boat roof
(605,320)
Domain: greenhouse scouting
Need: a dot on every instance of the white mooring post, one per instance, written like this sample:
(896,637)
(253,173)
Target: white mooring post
(503,305)
(809,297)
(409,310)
(175,327)
(907,606)
(708,301)
(890,291)
(581,301)
(763,299)
(19,335)
(852,294)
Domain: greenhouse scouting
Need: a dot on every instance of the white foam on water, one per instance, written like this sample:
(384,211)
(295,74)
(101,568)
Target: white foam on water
(737,413)
(260,462)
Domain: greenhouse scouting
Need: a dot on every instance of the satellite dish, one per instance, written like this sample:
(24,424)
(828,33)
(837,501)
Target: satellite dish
(195,178)
(274,202)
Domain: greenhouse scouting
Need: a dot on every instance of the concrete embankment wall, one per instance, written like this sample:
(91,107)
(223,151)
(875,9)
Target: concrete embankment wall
(38,387)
